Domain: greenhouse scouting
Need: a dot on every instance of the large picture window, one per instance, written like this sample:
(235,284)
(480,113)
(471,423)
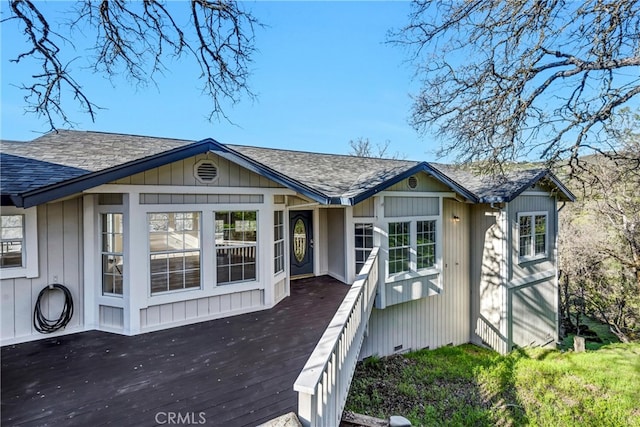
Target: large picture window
(112,257)
(399,246)
(363,244)
(236,246)
(532,235)
(278,238)
(12,233)
(174,246)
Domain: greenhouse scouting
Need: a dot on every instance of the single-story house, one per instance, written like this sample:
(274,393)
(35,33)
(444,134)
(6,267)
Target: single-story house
(150,233)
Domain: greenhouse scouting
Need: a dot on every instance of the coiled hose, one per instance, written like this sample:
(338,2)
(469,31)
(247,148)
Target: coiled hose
(47,326)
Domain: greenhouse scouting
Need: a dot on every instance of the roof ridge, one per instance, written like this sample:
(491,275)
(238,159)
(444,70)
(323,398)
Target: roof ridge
(323,154)
(115,134)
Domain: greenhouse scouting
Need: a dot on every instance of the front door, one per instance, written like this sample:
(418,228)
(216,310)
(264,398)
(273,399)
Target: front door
(301,238)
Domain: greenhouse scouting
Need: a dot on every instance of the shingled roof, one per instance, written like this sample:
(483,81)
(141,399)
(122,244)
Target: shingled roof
(65,162)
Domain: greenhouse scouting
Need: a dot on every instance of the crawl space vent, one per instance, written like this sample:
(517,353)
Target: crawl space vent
(412,182)
(205,171)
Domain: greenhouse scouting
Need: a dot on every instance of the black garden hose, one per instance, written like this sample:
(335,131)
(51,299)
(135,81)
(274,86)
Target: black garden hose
(47,326)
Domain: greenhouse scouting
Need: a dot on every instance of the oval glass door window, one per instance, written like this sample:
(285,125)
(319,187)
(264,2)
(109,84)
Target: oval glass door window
(299,240)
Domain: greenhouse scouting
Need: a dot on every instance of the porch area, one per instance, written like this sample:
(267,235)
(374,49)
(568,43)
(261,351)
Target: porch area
(234,371)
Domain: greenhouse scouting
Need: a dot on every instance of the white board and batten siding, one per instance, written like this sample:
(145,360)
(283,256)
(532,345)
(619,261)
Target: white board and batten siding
(201,309)
(60,251)
(513,303)
(174,187)
(488,265)
(432,321)
(533,291)
(181,173)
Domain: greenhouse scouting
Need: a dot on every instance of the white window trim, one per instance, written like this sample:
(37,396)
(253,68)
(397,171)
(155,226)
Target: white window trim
(209,286)
(277,241)
(413,271)
(533,257)
(101,253)
(30,249)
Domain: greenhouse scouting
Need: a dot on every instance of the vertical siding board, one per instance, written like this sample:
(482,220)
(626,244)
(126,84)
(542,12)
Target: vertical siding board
(436,320)
(57,250)
(71,264)
(137,179)
(188,177)
(8,313)
(166,313)
(225,303)
(179,311)
(191,309)
(236,301)
(203,307)
(151,177)
(177,174)
(164,175)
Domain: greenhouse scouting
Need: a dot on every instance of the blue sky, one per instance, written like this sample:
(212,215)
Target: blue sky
(323,76)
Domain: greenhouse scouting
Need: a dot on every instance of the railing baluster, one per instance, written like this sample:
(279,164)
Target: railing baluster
(323,384)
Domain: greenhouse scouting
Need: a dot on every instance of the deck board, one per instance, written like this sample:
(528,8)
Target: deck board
(238,370)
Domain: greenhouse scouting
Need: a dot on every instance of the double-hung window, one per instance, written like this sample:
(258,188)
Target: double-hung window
(278,238)
(174,248)
(236,246)
(532,235)
(363,243)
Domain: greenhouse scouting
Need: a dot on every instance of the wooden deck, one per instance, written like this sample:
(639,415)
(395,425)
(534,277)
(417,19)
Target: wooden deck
(235,371)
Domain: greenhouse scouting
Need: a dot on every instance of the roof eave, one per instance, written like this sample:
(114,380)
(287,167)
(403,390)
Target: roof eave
(420,167)
(541,175)
(82,183)
(257,167)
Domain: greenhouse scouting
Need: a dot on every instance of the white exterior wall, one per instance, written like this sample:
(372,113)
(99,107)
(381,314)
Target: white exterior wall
(488,266)
(430,321)
(532,285)
(513,303)
(336,257)
(173,188)
(60,249)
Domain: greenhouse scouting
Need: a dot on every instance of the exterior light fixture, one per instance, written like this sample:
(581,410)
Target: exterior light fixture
(456,218)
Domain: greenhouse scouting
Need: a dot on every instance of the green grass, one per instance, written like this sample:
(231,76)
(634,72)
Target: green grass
(469,385)
(601,329)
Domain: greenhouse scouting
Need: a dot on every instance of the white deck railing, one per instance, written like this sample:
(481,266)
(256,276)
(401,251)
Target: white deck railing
(324,382)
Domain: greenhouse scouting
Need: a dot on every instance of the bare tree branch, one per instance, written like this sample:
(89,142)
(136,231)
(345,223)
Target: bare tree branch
(504,80)
(134,39)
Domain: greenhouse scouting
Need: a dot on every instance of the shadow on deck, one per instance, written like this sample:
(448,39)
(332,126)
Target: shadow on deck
(235,371)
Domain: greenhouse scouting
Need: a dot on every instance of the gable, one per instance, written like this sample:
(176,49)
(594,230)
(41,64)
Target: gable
(181,173)
(425,183)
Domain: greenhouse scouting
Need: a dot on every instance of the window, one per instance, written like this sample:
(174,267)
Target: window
(532,235)
(236,246)
(12,233)
(112,259)
(426,244)
(398,247)
(18,242)
(363,244)
(174,243)
(413,247)
(278,238)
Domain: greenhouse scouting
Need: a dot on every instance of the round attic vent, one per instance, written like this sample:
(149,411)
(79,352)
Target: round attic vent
(412,182)
(205,171)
